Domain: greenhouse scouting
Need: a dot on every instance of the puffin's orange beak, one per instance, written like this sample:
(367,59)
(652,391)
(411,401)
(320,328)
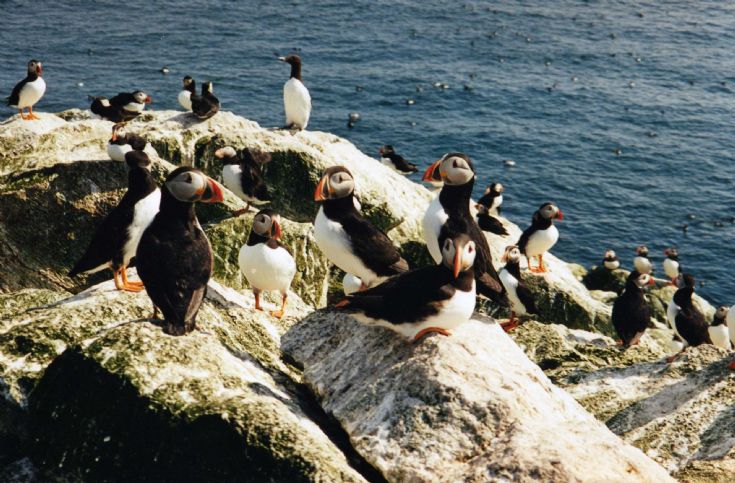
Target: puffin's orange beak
(429,173)
(213,192)
(319,191)
(148,100)
(559,215)
(457,263)
(651,281)
(114,136)
(277,229)
(39,69)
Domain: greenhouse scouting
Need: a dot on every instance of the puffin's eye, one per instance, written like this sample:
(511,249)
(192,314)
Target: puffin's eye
(188,178)
(470,249)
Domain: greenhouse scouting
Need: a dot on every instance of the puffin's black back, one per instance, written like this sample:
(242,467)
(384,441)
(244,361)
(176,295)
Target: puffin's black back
(205,105)
(631,313)
(689,321)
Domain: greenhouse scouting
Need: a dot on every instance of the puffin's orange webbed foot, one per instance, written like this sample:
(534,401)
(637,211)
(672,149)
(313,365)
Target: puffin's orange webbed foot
(277,313)
(342,303)
(429,330)
(731,365)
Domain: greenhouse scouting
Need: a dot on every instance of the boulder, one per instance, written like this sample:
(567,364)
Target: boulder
(600,278)
(470,407)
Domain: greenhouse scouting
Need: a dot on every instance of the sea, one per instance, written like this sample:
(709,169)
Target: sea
(620,112)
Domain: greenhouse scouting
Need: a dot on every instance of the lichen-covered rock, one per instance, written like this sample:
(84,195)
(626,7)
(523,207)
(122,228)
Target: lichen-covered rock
(470,407)
(600,278)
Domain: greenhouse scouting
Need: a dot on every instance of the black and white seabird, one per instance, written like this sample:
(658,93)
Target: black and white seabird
(243,175)
(436,298)
(492,199)
(488,222)
(450,212)
(433,178)
(520,297)
(686,320)
(29,91)
(538,238)
(123,142)
(395,161)
(731,324)
(611,261)
(189,88)
(124,107)
(206,105)
(672,267)
(265,262)
(718,331)
(631,313)
(641,262)
(296,98)
(174,258)
(346,237)
(116,240)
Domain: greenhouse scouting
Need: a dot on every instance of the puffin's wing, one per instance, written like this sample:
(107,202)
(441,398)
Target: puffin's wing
(403,165)
(121,99)
(14,98)
(373,246)
(109,238)
(693,328)
(486,200)
(491,224)
(523,240)
(273,244)
(527,299)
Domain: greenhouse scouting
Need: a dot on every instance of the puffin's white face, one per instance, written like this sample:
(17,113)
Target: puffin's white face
(456,171)
(458,254)
(643,280)
(336,183)
(141,97)
(226,152)
(642,251)
(550,211)
(193,185)
(610,254)
(722,312)
(512,254)
(187,81)
(34,67)
(268,224)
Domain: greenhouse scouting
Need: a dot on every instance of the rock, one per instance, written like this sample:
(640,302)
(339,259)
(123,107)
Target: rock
(600,278)
(470,407)
(110,397)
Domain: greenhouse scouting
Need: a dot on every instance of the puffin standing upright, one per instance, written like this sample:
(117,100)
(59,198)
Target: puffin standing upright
(122,143)
(730,318)
(265,262)
(672,267)
(174,258)
(641,262)
(541,235)
(492,199)
(521,298)
(611,261)
(437,298)
(296,98)
(631,313)
(451,210)
(116,240)
(205,105)
(718,331)
(396,162)
(189,88)
(346,237)
(687,321)
(243,175)
(29,91)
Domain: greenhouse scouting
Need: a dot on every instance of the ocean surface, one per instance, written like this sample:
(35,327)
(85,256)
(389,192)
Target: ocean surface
(620,112)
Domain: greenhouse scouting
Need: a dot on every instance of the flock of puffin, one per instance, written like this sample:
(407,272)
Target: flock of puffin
(158,227)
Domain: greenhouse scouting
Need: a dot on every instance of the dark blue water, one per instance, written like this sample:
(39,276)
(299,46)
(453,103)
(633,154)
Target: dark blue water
(557,86)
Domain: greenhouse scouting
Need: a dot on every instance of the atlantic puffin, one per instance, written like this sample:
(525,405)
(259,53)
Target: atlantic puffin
(520,297)
(488,222)
(189,88)
(116,240)
(29,91)
(265,262)
(433,178)
(541,235)
(672,267)
(124,107)
(686,320)
(451,210)
(437,298)
(631,313)
(174,258)
(122,143)
(641,262)
(296,98)
(206,105)
(492,199)
(611,261)
(346,237)
(730,318)
(243,175)
(718,331)
(395,161)
(351,284)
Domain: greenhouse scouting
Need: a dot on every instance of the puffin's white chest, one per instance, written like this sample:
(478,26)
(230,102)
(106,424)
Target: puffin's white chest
(671,312)
(185,99)
(350,284)
(134,107)
(335,243)
(434,219)
(117,151)
(731,324)
(719,335)
(31,93)
(642,265)
(541,241)
(497,201)
(145,211)
(671,268)
(510,283)
(297,103)
(612,264)
(231,177)
(267,268)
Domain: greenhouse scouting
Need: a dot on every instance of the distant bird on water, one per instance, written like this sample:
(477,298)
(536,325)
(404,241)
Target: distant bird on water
(296,98)
(29,91)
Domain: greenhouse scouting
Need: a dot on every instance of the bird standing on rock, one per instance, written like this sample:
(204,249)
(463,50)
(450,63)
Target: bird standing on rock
(346,237)
(206,105)
(296,98)
(189,88)
(521,298)
(492,199)
(718,331)
(641,262)
(116,240)
(611,261)
(541,235)
(174,258)
(631,313)
(29,91)
(395,161)
(243,175)
(265,262)
(121,143)
(686,320)
(672,267)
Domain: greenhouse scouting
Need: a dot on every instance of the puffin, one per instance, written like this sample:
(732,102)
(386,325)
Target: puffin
(346,237)
(189,88)
(265,262)
(351,284)
(631,313)
(610,261)
(538,238)
(492,199)
(124,107)
(243,175)
(174,258)
(433,178)
(205,105)
(436,298)
(29,91)
(672,267)
(730,318)
(296,98)
(117,238)
(521,298)
(395,161)
(718,331)
(488,222)
(122,143)
(451,210)
(641,262)
(686,320)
